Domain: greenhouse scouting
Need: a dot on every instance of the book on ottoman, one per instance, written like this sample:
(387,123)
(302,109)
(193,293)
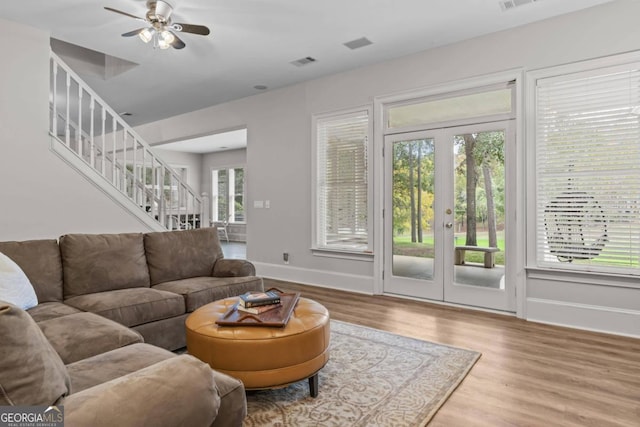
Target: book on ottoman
(259,309)
(276,317)
(256,299)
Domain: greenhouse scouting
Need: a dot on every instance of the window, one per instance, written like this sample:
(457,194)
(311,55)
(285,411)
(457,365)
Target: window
(588,170)
(227,201)
(342,196)
(485,102)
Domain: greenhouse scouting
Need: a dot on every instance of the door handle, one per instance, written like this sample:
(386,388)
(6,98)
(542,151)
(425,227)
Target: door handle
(449,225)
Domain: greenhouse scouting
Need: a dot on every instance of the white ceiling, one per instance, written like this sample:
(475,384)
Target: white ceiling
(252,42)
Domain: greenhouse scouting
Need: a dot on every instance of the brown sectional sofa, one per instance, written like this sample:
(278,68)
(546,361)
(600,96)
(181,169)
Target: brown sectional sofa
(103,299)
(133,386)
(147,282)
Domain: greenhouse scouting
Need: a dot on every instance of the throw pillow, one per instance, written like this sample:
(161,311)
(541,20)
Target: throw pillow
(32,371)
(15,287)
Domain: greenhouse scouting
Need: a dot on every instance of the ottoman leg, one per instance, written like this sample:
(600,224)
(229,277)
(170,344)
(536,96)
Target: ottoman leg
(313,385)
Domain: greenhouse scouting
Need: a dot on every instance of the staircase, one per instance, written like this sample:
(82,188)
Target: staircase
(95,140)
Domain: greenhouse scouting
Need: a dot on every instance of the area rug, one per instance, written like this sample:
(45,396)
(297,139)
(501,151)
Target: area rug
(373,378)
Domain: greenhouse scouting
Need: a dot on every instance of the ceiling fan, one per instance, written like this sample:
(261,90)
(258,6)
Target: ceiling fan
(161,30)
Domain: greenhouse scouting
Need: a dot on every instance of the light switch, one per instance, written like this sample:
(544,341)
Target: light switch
(267,204)
(258,204)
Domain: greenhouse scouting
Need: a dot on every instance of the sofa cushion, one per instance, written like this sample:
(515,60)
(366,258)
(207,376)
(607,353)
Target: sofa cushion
(174,255)
(15,287)
(51,310)
(131,307)
(81,335)
(233,268)
(167,333)
(179,391)
(102,262)
(40,261)
(233,405)
(113,364)
(198,291)
(32,371)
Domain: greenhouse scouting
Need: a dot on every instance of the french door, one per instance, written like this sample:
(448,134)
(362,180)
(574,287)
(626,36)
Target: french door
(447,222)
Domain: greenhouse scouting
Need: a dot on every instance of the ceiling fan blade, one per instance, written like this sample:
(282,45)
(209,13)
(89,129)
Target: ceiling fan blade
(133,33)
(110,9)
(190,28)
(177,43)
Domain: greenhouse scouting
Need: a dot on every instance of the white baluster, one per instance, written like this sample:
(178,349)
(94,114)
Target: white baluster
(92,140)
(162,214)
(80,148)
(66,118)
(143,172)
(180,201)
(154,182)
(114,176)
(124,161)
(54,99)
(104,142)
(135,171)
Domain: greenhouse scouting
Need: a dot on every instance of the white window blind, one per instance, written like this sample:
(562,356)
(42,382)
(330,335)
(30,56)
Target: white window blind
(342,182)
(588,170)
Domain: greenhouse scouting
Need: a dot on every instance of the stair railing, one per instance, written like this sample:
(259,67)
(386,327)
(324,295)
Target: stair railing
(82,122)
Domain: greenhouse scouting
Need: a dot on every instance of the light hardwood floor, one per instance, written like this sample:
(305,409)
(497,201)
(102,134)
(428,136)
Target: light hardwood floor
(529,374)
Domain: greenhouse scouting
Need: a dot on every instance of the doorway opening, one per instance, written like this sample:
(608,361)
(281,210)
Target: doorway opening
(219,161)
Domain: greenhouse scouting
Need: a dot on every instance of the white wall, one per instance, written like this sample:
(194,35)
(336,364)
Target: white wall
(40,196)
(279,149)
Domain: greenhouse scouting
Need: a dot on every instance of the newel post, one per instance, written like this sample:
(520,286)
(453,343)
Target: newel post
(204,210)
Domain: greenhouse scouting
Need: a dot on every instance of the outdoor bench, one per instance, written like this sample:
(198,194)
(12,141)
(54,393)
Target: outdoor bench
(489,257)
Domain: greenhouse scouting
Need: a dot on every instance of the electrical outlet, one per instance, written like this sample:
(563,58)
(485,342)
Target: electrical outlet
(285,257)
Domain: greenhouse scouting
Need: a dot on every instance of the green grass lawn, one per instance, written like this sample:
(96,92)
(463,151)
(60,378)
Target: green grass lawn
(402,245)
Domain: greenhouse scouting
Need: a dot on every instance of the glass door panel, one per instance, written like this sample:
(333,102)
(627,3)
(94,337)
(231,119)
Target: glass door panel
(479,208)
(413,210)
(477,272)
(411,225)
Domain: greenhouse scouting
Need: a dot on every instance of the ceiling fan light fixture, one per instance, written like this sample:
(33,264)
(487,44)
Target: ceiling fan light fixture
(167,37)
(162,44)
(146,35)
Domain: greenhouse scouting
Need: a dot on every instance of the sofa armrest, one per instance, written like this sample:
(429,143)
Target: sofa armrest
(233,268)
(179,391)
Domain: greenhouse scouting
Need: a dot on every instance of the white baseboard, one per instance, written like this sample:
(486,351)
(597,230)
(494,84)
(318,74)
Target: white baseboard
(573,315)
(324,279)
(582,316)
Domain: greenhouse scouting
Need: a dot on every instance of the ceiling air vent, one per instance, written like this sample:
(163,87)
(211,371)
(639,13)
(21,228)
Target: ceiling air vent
(512,4)
(358,43)
(303,61)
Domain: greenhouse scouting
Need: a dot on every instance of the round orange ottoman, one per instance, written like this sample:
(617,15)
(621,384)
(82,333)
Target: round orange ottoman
(262,357)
